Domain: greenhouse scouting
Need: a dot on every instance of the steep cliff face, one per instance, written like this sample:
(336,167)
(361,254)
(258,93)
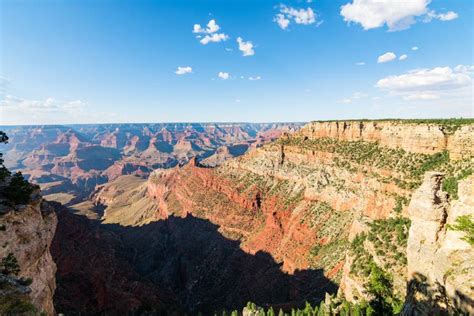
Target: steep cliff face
(26,235)
(412,136)
(440,261)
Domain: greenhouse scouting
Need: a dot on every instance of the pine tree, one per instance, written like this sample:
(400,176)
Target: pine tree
(270,312)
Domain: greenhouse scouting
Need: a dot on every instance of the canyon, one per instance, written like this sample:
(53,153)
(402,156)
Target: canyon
(277,215)
(69,161)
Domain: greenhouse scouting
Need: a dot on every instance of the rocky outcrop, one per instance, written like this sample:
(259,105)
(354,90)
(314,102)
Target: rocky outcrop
(426,138)
(27,233)
(440,262)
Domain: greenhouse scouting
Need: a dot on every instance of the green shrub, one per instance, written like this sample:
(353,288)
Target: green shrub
(465,224)
(10,265)
(19,190)
(450,184)
(16,305)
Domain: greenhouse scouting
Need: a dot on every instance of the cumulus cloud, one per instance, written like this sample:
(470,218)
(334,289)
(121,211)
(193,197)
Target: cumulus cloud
(299,16)
(389,56)
(223,75)
(245,47)
(209,33)
(397,15)
(282,21)
(464,69)
(360,63)
(215,38)
(414,48)
(183,70)
(254,78)
(427,84)
(212,27)
(403,57)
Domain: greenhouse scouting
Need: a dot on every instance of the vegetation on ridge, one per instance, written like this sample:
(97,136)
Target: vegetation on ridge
(14,188)
(465,224)
(14,299)
(387,240)
(449,126)
(450,183)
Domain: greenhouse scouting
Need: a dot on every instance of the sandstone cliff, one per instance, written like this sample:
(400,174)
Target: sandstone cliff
(413,136)
(27,232)
(440,263)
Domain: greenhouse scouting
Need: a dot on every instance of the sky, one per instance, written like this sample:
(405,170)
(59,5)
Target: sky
(64,62)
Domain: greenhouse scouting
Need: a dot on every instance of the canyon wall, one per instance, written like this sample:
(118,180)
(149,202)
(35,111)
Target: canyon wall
(26,236)
(426,138)
(440,262)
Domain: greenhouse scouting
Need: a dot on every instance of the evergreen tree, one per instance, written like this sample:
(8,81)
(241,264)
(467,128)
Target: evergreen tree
(270,312)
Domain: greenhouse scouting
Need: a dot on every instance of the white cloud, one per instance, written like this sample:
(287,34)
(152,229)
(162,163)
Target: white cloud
(360,63)
(403,57)
(212,27)
(215,38)
(245,47)
(397,15)
(48,105)
(209,32)
(15,110)
(448,16)
(223,75)
(414,48)
(389,56)
(184,70)
(421,96)
(428,84)
(299,16)
(254,78)
(282,21)
(464,69)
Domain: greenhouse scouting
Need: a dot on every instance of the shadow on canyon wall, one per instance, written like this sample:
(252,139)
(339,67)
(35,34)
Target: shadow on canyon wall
(181,265)
(424,298)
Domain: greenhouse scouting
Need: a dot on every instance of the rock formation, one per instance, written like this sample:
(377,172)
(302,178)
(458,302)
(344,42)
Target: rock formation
(440,263)
(26,235)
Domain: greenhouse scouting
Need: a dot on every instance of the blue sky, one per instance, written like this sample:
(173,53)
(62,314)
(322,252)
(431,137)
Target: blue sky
(117,61)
